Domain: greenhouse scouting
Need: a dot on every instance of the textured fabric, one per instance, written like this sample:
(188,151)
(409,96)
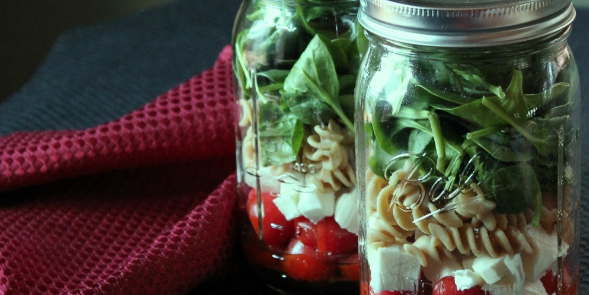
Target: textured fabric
(122,229)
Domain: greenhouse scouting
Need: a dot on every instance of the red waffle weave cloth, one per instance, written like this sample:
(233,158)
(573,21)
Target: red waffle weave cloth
(140,205)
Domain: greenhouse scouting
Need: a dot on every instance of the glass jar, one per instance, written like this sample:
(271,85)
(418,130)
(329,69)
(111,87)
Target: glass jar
(295,64)
(468,117)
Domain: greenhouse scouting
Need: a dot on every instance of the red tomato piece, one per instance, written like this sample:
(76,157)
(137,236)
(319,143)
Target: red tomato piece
(447,286)
(302,263)
(277,231)
(334,240)
(550,282)
(306,231)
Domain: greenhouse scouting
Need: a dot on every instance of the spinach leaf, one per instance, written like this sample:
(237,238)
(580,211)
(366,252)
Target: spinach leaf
(473,112)
(241,71)
(347,84)
(513,103)
(274,75)
(512,188)
(446,95)
(361,41)
(281,135)
(348,104)
(418,141)
(387,128)
(474,82)
(504,147)
(314,75)
(309,109)
(535,101)
(542,133)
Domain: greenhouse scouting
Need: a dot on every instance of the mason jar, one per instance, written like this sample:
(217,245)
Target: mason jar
(468,148)
(295,64)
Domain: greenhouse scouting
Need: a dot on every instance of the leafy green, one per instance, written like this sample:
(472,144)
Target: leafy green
(301,66)
(309,109)
(512,188)
(460,111)
(314,74)
(502,146)
(281,135)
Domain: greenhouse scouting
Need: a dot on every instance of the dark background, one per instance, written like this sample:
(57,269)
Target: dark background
(30,27)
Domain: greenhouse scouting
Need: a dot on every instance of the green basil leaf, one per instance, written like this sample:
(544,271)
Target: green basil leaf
(506,148)
(512,188)
(309,109)
(473,112)
(419,141)
(275,76)
(280,135)
(314,75)
(535,101)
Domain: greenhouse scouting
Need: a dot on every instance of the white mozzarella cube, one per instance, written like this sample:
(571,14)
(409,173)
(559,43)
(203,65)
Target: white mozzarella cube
(490,269)
(287,201)
(346,212)
(545,248)
(466,279)
(506,274)
(393,269)
(316,205)
(516,275)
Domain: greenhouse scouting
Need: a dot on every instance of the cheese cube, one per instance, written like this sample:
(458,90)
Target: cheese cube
(393,269)
(288,200)
(516,276)
(490,269)
(545,248)
(466,279)
(316,205)
(509,270)
(346,212)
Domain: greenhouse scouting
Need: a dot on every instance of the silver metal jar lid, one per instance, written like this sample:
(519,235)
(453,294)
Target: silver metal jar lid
(465,23)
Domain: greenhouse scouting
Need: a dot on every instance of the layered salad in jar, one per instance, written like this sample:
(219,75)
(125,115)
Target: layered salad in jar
(470,186)
(296,68)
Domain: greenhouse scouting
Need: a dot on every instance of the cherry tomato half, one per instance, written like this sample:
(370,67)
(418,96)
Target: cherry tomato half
(306,231)
(277,231)
(334,240)
(302,263)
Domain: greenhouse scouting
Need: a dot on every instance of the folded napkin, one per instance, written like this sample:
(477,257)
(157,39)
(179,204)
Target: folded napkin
(141,205)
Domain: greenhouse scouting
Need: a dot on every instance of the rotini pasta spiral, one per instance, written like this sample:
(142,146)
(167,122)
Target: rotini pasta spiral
(480,241)
(248,154)
(247,112)
(329,149)
(423,248)
(381,231)
(467,224)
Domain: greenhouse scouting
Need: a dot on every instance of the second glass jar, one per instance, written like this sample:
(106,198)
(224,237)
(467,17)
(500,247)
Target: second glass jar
(295,64)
